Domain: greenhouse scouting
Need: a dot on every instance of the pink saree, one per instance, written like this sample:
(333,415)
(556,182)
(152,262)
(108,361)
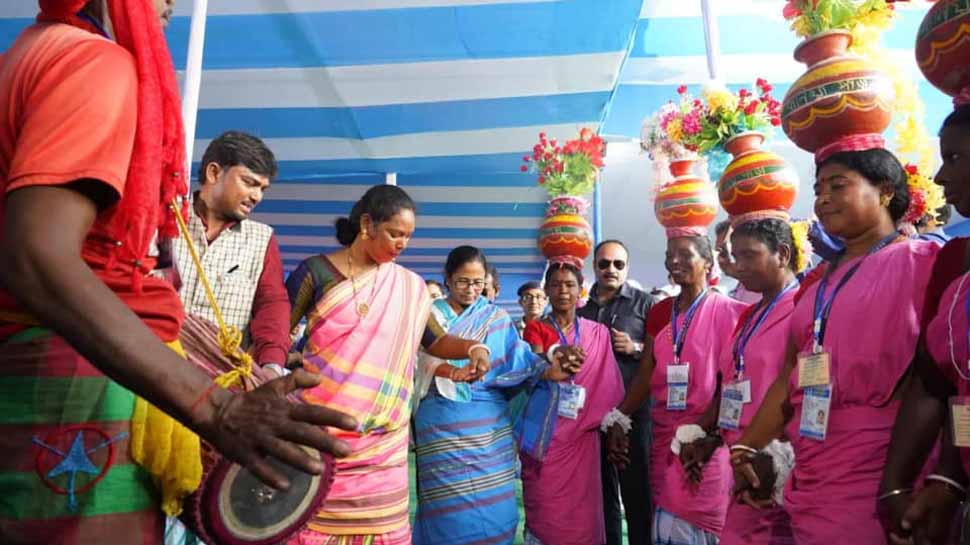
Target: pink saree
(367,365)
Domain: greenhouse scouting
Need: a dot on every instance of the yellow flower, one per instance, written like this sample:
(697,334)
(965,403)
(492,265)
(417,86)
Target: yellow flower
(675,130)
(720,98)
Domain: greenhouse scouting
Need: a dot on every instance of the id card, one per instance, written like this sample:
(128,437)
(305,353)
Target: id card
(960,420)
(678,374)
(572,398)
(816,406)
(742,386)
(732,403)
(676,397)
(813,369)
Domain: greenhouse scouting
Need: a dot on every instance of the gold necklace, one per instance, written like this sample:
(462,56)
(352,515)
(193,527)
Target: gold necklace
(362,307)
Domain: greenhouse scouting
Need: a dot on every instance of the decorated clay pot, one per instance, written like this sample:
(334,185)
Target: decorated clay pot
(943,46)
(839,95)
(565,230)
(756,179)
(686,201)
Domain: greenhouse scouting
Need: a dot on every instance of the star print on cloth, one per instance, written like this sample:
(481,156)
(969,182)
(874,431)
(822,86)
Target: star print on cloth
(76,461)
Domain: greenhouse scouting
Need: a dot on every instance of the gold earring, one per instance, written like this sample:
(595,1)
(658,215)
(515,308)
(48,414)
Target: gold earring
(885,200)
(364,235)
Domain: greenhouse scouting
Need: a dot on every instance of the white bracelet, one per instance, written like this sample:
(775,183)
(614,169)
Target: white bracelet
(685,434)
(278,369)
(550,352)
(745,448)
(946,480)
(479,345)
(615,416)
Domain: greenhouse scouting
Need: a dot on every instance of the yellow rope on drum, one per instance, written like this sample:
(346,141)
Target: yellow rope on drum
(229,338)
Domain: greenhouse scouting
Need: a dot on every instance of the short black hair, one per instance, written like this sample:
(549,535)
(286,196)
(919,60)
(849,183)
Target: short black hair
(530,285)
(462,255)
(611,241)
(943,214)
(430,283)
(234,148)
(880,167)
(959,117)
(380,202)
(722,227)
(553,267)
(772,232)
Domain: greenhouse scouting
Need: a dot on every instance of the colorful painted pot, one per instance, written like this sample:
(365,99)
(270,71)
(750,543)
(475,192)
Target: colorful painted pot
(943,46)
(839,95)
(756,180)
(565,230)
(687,201)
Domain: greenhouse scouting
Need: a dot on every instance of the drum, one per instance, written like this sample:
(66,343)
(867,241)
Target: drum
(231,506)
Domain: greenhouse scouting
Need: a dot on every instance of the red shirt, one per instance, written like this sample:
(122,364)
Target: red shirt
(67,112)
(540,333)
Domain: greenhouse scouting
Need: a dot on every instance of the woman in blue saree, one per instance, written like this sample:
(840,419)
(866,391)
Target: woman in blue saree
(463,437)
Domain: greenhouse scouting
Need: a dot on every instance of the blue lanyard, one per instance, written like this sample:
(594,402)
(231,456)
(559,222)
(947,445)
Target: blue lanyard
(741,342)
(562,336)
(94,23)
(823,307)
(681,336)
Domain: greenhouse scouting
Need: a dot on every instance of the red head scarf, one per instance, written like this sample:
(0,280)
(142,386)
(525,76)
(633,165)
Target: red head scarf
(156,173)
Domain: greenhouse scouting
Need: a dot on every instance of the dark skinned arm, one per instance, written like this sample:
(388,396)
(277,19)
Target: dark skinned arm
(694,455)
(40,264)
(618,444)
(920,423)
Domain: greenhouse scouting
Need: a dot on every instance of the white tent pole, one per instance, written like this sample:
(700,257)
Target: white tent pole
(193,78)
(712,39)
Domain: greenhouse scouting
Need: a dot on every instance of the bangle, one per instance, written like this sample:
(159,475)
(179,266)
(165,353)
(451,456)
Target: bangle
(895,492)
(551,350)
(947,481)
(276,368)
(745,448)
(488,350)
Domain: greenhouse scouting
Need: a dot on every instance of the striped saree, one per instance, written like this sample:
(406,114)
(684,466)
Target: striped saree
(463,435)
(367,365)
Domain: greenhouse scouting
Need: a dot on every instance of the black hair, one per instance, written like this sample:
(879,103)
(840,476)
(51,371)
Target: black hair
(772,232)
(959,117)
(722,227)
(530,285)
(611,241)
(943,214)
(492,271)
(462,255)
(381,203)
(553,267)
(234,148)
(880,167)
(430,283)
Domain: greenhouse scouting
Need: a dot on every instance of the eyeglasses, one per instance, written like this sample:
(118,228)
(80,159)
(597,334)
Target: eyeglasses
(604,264)
(533,298)
(463,283)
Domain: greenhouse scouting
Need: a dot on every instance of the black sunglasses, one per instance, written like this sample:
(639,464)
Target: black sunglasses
(604,264)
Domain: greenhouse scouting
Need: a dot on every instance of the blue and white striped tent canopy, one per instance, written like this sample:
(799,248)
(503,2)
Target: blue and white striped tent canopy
(449,94)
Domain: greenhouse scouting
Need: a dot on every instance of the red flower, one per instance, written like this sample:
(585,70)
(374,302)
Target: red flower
(682,89)
(752,107)
(775,121)
(911,169)
(524,168)
(542,136)
(744,93)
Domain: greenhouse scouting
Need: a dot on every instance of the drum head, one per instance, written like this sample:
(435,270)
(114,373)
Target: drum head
(238,509)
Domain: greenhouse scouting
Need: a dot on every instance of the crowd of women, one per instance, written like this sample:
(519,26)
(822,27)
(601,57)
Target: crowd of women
(772,422)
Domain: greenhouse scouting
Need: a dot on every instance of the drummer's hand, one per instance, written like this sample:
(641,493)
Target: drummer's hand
(478,360)
(247,427)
